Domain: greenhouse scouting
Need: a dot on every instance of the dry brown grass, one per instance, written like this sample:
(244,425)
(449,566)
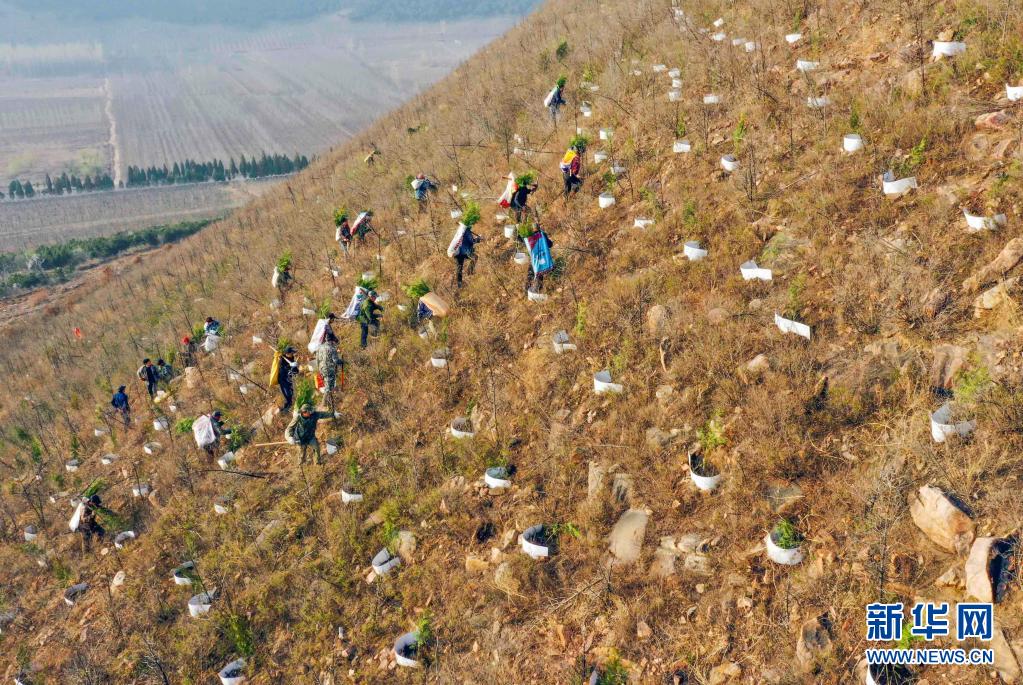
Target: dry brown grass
(855,452)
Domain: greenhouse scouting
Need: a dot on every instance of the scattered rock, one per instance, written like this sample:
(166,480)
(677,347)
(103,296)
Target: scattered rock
(952,578)
(505,580)
(657,439)
(267,531)
(717,315)
(978,578)
(595,480)
(782,251)
(997,268)
(1006,661)
(373,520)
(406,544)
(622,486)
(912,82)
(191,377)
(814,644)
(643,631)
(726,672)
(993,121)
(994,297)
(691,542)
(941,519)
(475,565)
(665,555)
(910,53)
(506,538)
(948,360)
(935,302)
(976,147)
(556,438)
(658,320)
(697,564)
(759,364)
(117,581)
(782,497)
(989,568)
(626,539)
(1003,148)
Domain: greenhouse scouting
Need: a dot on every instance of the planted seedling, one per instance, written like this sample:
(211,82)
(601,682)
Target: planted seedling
(579,142)
(739,135)
(785,535)
(784,544)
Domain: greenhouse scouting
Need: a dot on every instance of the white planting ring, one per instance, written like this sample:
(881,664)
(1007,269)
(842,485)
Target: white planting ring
(789,326)
(602,383)
(892,186)
(693,251)
(984,223)
(942,425)
(947,49)
(751,272)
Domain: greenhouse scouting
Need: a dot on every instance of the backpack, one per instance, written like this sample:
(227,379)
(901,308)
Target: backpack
(551,97)
(456,242)
(566,161)
(539,246)
(142,373)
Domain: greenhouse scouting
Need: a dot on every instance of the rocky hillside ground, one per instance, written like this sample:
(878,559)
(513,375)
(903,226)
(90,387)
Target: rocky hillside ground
(894,305)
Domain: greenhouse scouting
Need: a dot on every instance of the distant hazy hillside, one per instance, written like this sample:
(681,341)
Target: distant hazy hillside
(255,12)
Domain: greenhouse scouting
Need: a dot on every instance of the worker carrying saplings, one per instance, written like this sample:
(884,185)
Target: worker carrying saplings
(571,164)
(367,317)
(555,98)
(463,244)
(302,432)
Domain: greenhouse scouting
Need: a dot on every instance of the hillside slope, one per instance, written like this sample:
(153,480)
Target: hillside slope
(831,433)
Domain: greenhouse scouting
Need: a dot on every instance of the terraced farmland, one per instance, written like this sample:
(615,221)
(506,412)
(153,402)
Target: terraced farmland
(49,125)
(27,223)
(294,89)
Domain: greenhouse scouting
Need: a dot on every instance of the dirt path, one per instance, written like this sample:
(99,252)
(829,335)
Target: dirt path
(109,108)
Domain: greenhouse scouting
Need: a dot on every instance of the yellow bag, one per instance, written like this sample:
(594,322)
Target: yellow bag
(566,161)
(275,368)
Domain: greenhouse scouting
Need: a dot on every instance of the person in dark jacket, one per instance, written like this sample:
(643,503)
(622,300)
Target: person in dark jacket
(365,227)
(422,186)
(302,431)
(219,431)
(88,524)
(557,99)
(466,251)
(164,372)
(147,374)
(286,374)
(343,234)
(120,404)
(520,200)
(533,279)
(367,317)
